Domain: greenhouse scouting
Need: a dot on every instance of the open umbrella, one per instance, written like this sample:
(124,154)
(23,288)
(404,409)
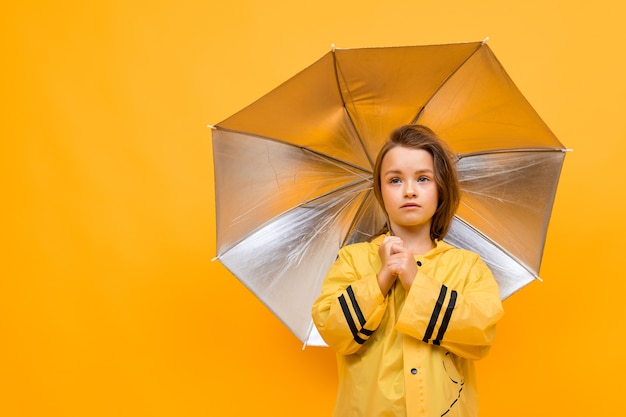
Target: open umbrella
(293,170)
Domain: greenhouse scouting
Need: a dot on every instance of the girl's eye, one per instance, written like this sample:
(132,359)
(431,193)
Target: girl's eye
(394,181)
(423,179)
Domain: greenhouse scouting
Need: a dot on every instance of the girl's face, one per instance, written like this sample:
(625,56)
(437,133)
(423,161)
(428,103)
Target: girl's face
(408,188)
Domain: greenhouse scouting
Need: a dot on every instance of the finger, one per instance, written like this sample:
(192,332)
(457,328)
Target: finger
(397,247)
(386,247)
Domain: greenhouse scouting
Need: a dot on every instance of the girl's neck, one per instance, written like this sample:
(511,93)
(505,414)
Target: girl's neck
(417,241)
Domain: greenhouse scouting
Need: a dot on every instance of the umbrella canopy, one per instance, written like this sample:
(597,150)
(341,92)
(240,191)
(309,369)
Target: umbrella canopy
(293,170)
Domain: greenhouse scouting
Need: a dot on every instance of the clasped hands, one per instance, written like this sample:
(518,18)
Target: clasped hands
(398,263)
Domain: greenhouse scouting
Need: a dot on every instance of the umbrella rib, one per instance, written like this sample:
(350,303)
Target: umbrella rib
(445,80)
(321,155)
(334,191)
(299,205)
(512,150)
(345,108)
(500,248)
(357,218)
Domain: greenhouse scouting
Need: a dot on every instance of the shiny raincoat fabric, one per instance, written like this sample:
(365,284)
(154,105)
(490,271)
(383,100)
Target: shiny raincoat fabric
(408,353)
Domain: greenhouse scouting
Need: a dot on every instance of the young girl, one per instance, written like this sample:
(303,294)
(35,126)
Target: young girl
(406,312)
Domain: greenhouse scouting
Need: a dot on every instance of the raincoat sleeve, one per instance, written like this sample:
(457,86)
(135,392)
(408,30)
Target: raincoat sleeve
(351,305)
(458,314)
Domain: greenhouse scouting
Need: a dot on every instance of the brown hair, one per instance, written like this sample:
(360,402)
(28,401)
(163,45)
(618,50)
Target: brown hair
(421,137)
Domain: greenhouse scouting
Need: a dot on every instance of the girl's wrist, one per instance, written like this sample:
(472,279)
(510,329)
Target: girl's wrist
(385,281)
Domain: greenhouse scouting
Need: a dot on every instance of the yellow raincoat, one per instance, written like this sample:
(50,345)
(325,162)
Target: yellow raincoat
(408,353)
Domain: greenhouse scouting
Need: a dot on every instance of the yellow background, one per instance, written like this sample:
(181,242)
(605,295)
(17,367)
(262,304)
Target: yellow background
(109,302)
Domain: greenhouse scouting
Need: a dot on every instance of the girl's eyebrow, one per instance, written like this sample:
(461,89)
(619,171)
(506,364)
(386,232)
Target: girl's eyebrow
(419,171)
(393,171)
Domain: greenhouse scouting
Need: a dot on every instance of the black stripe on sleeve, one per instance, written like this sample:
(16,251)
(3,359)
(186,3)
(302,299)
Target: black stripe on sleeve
(355,305)
(351,324)
(366,332)
(435,315)
(446,318)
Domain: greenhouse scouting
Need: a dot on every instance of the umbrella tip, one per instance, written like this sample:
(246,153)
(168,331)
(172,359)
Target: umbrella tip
(332,47)
(485,40)
(211,127)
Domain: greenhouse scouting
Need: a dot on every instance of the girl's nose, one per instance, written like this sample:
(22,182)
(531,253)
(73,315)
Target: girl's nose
(410,191)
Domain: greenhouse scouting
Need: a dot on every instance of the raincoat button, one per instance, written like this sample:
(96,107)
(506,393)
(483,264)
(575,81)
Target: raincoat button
(414,371)
(419,263)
